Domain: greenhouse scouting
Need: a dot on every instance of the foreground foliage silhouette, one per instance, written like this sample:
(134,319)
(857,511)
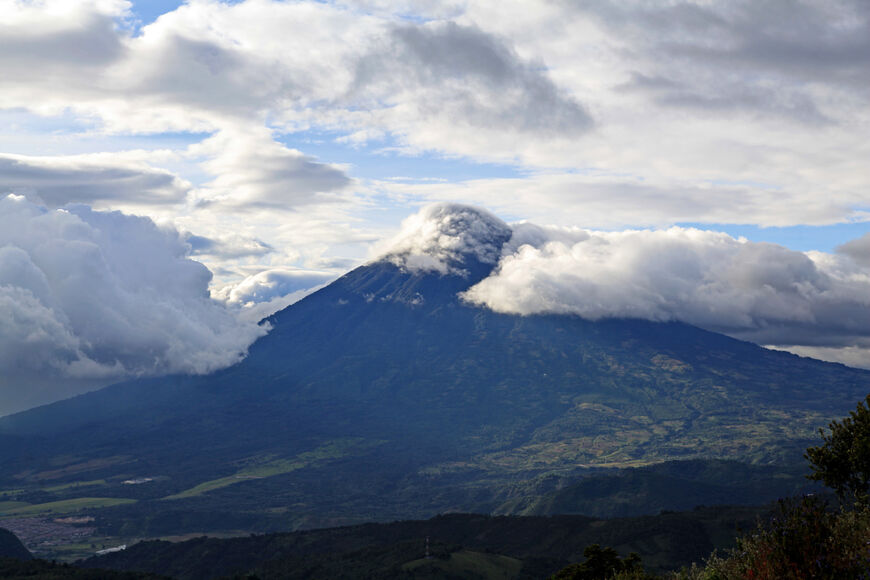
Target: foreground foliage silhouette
(603,564)
(806,539)
(843,461)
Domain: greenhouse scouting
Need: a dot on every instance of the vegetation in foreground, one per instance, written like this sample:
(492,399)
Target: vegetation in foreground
(806,539)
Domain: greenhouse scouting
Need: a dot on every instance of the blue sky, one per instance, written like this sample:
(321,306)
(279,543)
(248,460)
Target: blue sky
(148,11)
(801,238)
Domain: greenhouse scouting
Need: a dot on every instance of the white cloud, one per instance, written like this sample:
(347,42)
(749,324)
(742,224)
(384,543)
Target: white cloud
(264,293)
(441,237)
(858,249)
(227,246)
(101,296)
(274,283)
(89,179)
(443,85)
(813,303)
(691,102)
(57,43)
(593,199)
(251,169)
(756,291)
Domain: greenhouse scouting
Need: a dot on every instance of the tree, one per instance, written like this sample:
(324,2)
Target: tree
(602,564)
(843,461)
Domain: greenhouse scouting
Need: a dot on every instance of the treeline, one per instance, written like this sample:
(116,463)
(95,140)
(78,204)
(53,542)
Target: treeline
(17,569)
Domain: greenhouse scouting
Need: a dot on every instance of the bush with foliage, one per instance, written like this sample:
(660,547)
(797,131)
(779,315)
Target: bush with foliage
(603,564)
(804,540)
(842,462)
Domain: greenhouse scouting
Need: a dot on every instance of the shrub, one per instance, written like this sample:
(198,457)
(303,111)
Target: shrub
(603,564)
(803,541)
(842,462)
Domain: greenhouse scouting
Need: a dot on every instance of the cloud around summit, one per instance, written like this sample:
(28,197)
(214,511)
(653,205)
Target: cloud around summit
(761,292)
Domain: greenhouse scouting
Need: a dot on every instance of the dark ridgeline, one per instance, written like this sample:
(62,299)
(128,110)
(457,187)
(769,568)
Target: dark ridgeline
(460,546)
(11,546)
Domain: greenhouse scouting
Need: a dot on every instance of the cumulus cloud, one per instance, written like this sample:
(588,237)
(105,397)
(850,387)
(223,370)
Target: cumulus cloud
(253,170)
(612,202)
(474,79)
(227,246)
(440,236)
(769,58)
(756,291)
(858,249)
(813,303)
(57,43)
(690,100)
(100,296)
(264,293)
(89,179)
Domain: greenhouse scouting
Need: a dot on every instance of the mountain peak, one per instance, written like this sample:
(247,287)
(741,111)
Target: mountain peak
(447,238)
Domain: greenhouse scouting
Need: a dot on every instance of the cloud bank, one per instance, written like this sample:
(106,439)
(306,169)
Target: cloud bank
(98,296)
(760,292)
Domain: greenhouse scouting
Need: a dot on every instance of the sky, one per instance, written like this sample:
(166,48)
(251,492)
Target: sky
(172,171)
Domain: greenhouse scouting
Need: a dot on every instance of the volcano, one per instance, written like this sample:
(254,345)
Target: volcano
(387,395)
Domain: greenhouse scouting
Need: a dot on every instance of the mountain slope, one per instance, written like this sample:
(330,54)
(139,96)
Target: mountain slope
(385,395)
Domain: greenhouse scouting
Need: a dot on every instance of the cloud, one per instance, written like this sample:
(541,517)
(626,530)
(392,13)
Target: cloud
(607,201)
(57,43)
(765,58)
(274,283)
(470,75)
(441,237)
(763,102)
(89,179)
(262,294)
(252,170)
(441,82)
(227,246)
(99,296)
(858,249)
(760,292)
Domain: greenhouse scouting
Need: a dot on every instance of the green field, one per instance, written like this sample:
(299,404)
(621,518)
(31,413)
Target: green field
(65,506)
(75,485)
(265,468)
(10,505)
(83,549)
